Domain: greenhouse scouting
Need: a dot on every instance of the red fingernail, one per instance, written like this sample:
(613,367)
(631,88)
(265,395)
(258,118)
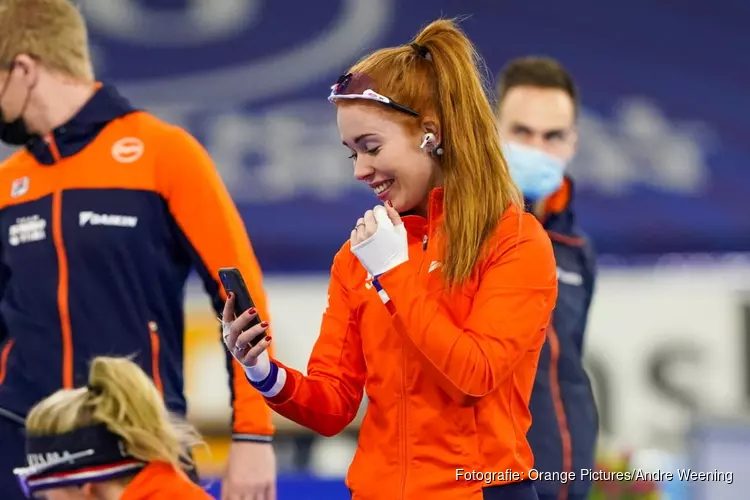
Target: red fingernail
(230,295)
(390,203)
(268,339)
(251,310)
(264,324)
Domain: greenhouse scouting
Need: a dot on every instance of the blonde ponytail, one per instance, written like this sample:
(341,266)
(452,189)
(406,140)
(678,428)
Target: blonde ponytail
(121,396)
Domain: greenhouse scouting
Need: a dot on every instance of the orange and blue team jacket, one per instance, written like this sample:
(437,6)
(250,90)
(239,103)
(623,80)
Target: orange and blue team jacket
(565,423)
(448,375)
(162,481)
(101,223)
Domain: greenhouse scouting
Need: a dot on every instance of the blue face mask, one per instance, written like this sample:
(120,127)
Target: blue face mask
(536,173)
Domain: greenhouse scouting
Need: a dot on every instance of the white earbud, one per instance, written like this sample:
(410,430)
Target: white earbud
(427,139)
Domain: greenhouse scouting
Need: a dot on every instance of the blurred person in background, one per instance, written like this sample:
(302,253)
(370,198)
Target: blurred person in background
(104,211)
(537,109)
(112,439)
(439,302)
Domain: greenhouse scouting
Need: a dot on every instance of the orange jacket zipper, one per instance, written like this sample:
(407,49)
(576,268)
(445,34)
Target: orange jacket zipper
(62,270)
(153,331)
(404,427)
(4,355)
(404,399)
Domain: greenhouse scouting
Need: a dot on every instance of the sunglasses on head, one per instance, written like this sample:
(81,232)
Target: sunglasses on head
(359,86)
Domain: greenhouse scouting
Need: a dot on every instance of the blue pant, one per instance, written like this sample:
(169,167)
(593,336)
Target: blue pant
(12,455)
(515,491)
(557,497)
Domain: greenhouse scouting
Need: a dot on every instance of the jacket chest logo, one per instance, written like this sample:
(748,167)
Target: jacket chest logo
(27,230)
(128,150)
(116,220)
(19,187)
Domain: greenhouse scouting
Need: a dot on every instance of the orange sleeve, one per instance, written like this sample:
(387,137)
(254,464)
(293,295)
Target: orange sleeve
(215,237)
(509,316)
(328,398)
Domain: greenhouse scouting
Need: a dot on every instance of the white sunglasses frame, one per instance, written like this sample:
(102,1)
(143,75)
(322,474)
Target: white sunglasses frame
(370,95)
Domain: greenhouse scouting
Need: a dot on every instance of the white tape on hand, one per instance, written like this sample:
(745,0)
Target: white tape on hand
(381,216)
(261,370)
(385,249)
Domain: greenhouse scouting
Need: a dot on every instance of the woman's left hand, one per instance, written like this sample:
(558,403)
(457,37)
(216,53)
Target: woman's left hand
(379,240)
(237,340)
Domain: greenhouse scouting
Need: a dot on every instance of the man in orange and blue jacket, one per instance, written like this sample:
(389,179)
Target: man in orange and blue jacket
(104,212)
(537,108)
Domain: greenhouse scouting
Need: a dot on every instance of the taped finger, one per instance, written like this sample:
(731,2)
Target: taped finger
(381,216)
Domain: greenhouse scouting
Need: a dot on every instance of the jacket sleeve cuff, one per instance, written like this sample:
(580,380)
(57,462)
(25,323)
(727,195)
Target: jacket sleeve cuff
(382,294)
(261,370)
(266,376)
(251,438)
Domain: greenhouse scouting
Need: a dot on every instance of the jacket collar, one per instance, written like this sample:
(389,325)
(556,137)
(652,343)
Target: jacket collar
(557,210)
(419,224)
(73,136)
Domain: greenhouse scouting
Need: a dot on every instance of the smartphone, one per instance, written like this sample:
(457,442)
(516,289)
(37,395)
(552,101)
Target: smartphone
(231,280)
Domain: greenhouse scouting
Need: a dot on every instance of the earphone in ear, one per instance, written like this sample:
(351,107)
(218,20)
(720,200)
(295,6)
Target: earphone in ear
(428,138)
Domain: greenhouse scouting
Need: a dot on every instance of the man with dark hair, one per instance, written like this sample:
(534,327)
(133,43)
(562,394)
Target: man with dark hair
(537,108)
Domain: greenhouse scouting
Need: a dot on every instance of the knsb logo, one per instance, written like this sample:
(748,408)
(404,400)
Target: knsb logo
(115,220)
(281,53)
(19,187)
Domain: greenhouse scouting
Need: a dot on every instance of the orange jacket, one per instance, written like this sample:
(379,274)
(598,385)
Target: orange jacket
(448,377)
(161,481)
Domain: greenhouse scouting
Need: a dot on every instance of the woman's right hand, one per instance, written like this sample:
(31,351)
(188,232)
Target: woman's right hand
(238,341)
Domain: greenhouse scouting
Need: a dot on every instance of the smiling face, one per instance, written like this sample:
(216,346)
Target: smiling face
(387,155)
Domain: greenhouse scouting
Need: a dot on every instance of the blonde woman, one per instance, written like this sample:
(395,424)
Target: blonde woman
(111,440)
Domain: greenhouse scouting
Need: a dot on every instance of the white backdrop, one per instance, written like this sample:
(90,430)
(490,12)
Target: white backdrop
(663,344)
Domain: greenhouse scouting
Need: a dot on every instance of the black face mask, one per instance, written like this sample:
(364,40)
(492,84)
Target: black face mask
(14,133)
